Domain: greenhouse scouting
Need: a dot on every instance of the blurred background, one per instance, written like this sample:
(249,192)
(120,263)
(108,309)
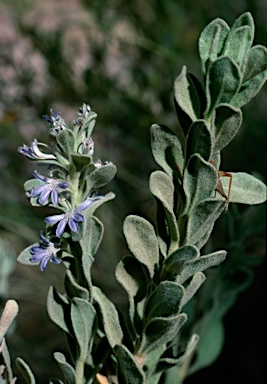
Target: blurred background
(121,57)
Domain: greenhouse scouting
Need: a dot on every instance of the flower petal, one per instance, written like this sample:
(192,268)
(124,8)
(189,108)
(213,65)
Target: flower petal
(54,197)
(54,219)
(55,260)
(61,226)
(43,198)
(39,176)
(36,191)
(84,205)
(44,262)
(78,217)
(73,225)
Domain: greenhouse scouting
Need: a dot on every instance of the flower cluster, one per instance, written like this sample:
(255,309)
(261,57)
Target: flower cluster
(70,185)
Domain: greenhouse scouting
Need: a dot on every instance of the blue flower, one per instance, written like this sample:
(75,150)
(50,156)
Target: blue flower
(57,124)
(72,218)
(49,188)
(44,253)
(84,113)
(34,153)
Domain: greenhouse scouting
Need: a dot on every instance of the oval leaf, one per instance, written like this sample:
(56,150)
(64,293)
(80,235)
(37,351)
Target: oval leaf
(226,124)
(110,317)
(83,317)
(245,189)
(128,370)
(211,41)
(142,241)
(167,150)
(199,141)
(223,82)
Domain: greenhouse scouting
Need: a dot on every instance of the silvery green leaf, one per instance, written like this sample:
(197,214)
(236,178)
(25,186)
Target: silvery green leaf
(223,82)
(160,330)
(245,189)
(255,75)
(90,211)
(93,230)
(58,308)
(166,362)
(73,289)
(211,42)
(66,141)
(199,141)
(101,176)
(134,278)
(238,43)
(25,256)
(256,62)
(190,290)
(80,161)
(185,95)
(174,263)
(83,317)
(110,317)
(87,261)
(8,314)
(202,218)
(227,122)
(25,370)
(128,371)
(199,182)
(164,301)
(142,241)
(67,369)
(199,264)
(162,188)
(167,150)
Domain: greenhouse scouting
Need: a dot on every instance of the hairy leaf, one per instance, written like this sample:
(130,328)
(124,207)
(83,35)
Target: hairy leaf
(164,301)
(73,289)
(200,179)
(160,330)
(167,360)
(227,122)
(245,189)
(167,150)
(162,188)
(128,370)
(199,141)
(67,369)
(211,42)
(109,316)
(58,308)
(202,218)
(83,317)
(93,230)
(185,95)
(199,264)
(223,82)
(174,263)
(142,241)
(101,176)
(25,370)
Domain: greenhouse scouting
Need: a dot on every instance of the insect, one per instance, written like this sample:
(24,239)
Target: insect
(219,186)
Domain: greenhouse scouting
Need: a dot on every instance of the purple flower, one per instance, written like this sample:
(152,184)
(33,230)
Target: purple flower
(57,124)
(34,153)
(49,188)
(44,253)
(72,218)
(84,112)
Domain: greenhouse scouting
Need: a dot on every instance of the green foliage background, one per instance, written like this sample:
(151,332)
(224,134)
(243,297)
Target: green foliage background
(122,58)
